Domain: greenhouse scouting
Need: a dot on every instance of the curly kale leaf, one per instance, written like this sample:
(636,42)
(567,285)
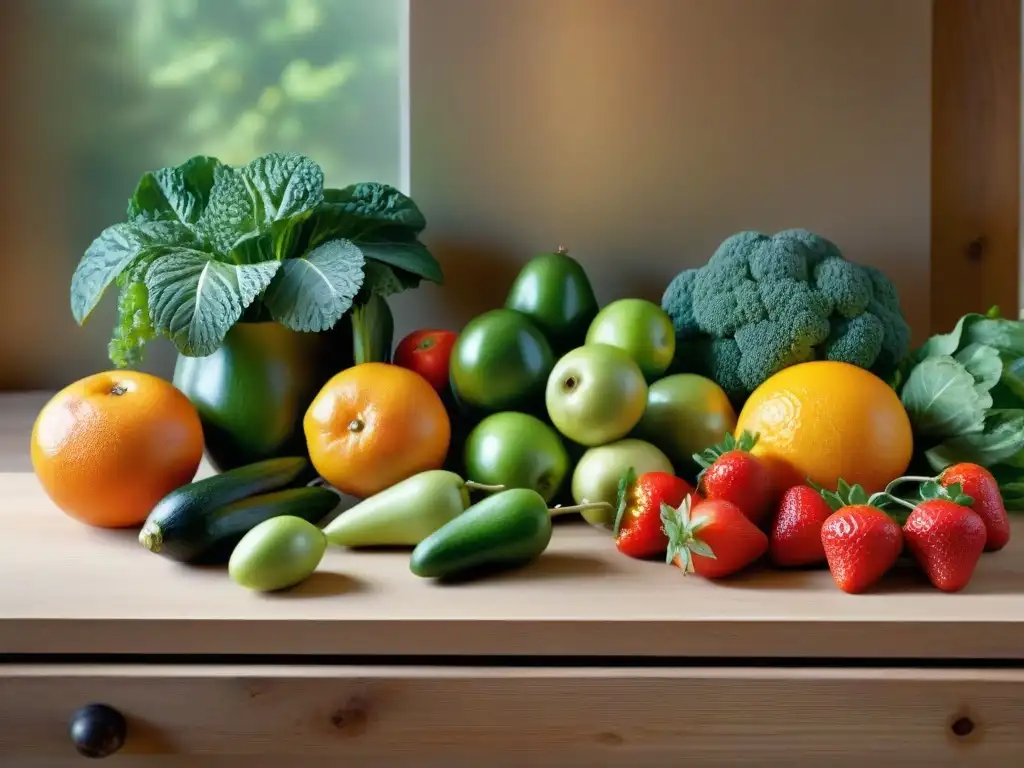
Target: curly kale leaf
(134,328)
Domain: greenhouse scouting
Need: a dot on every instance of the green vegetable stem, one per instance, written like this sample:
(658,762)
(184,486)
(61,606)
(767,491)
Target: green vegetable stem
(207,245)
(373,329)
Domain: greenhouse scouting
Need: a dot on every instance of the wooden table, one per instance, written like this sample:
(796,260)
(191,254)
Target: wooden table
(585,658)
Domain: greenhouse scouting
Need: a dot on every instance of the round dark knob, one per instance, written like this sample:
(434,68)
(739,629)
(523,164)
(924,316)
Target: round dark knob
(98,730)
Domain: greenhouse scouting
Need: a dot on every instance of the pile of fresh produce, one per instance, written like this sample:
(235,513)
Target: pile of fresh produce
(768,410)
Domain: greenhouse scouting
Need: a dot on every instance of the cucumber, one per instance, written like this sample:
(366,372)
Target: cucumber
(179,526)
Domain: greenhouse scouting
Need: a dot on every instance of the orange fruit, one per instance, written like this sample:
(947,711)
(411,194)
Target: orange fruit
(374,425)
(108,447)
(827,420)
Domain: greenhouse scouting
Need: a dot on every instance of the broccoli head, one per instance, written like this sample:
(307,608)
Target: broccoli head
(765,302)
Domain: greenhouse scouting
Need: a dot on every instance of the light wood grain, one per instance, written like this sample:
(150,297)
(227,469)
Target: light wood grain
(544,717)
(74,589)
(976,137)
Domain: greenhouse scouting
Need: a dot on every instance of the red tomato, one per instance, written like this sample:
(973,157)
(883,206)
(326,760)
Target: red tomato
(427,352)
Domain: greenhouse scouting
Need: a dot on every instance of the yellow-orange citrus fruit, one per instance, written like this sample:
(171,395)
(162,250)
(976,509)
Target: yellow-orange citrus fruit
(108,447)
(825,421)
(373,425)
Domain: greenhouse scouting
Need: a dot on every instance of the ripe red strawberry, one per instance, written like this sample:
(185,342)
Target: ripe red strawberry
(638,530)
(861,541)
(732,473)
(713,538)
(795,537)
(978,483)
(945,536)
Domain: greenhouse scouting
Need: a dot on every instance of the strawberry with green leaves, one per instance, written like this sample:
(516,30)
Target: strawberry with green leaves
(978,483)
(713,538)
(945,535)
(638,526)
(795,535)
(730,472)
(861,541)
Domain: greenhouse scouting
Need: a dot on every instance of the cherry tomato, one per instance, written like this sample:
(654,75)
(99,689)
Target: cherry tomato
(427,352)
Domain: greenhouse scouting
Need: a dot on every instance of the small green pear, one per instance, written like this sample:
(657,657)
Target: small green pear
(406,513)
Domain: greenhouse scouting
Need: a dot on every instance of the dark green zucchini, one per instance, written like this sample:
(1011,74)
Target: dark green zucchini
(181,515)
(210,538)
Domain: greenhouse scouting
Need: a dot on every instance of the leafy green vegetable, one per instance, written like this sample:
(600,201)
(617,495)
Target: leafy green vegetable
(388,235)
(313,292)
(1001,439)
(943,398)
(196,300)
(134,328)
(114,251)
(964,394)
(207,245)
(174,194)
(380,204)
(385,281)
(983,363)
(247,202)
(403,251)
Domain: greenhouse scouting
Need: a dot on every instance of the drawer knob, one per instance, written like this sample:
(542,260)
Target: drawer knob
(97,730)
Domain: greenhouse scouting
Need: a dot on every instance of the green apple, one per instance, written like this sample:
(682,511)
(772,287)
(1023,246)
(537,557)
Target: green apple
(595,394)
(685,414)
(518,451)
(500,362)
(640,327)
(597,474)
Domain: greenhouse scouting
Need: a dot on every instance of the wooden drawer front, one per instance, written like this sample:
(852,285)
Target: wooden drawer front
(534,717)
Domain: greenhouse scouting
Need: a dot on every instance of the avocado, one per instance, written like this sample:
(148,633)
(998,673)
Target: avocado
(553,290)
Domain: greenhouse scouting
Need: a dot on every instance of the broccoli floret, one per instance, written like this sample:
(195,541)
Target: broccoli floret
(816,247)
(845,286)
(885,305)
(678,301)
(766,302)
(856,340)
(717,358)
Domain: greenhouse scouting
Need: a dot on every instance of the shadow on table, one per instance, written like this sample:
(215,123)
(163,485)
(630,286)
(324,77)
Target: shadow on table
(992,577)
(555,566)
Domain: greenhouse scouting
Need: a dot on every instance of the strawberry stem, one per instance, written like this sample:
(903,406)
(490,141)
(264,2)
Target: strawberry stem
(909,479)
(681,530)
(622,497)
(885,496)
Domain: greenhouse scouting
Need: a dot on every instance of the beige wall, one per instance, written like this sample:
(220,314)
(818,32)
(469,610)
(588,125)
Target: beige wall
(638,133)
